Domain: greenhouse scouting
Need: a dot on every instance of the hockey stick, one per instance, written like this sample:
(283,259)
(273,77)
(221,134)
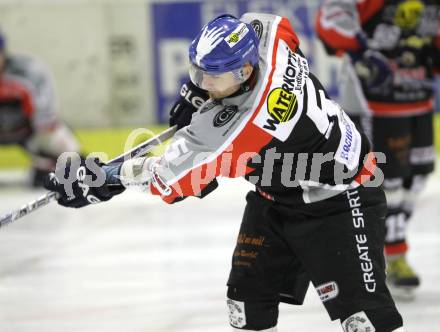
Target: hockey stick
(44,200)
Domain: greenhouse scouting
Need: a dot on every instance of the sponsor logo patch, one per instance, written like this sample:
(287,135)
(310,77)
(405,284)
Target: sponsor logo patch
(328,291)
(281,106)
(284,102)
(237,35)
(349,148)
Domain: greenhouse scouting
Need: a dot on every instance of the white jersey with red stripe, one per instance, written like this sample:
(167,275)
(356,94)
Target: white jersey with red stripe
(268,135)
(27,97)
(28,111)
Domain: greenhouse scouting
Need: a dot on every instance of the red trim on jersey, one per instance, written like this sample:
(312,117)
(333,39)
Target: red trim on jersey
(286,32)
(335,39)
(396,248)
(340,42)
(12,90)
(381,108)
(437,39)
(232,162)
(368,8)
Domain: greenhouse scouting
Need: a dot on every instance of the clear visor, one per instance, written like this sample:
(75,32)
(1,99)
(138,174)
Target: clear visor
(216,82)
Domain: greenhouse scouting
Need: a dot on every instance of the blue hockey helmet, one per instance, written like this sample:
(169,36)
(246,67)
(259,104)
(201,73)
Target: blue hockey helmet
(222,48)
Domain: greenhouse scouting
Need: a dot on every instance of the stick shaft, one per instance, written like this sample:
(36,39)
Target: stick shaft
(50,196)
(28,208)
(146,146)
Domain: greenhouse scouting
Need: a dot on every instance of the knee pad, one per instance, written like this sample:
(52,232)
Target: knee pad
(394,192)
(401,201)
(374,320)
(413,187)
(251,310)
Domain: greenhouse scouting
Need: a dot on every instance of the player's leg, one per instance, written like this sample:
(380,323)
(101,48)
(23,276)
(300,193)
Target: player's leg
(264,270)
(422,157)
(400,275)
(340,242)
(395,137)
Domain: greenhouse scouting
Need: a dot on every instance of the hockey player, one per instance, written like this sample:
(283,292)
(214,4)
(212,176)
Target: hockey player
(392,52)
(28,112)
(315,214)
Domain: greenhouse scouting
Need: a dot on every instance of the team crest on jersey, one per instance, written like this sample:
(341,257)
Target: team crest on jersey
(281,106)
(224,116)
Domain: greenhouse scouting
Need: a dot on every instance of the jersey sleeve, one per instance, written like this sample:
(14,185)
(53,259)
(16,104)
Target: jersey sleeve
(42,90)
(187,167)
(339,23)
(201,152)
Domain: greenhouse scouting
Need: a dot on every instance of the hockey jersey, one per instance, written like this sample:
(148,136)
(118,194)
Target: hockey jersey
(27,99)
(406,32)
(285,135)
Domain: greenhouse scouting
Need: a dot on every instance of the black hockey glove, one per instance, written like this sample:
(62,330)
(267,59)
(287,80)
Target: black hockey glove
(373,69)
(191,98)
(371,66)
(81,182)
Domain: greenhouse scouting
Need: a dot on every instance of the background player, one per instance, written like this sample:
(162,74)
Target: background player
(393,50)
(28,110)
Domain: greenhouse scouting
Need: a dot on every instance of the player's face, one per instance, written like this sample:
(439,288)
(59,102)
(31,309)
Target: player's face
(220,85)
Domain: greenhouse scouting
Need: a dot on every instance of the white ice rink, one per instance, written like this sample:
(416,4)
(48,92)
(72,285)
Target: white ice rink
(137,264)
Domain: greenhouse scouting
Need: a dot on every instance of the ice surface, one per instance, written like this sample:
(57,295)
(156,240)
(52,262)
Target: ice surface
(137,264)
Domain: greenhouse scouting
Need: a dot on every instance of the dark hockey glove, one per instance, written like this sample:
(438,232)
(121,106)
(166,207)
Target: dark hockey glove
(373,69)
(371,66)
(191,98)
(81,182)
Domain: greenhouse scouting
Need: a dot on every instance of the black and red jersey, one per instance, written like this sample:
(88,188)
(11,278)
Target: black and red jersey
(406,32)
